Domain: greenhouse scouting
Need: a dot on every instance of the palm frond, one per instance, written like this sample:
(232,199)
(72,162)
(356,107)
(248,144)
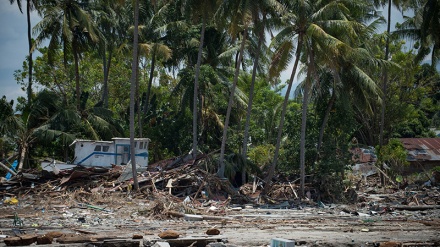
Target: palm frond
(281,59)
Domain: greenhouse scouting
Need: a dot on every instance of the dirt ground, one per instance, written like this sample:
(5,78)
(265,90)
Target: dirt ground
(118,216)
(95,207)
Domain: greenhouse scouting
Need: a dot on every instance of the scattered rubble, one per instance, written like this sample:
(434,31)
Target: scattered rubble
(181,204)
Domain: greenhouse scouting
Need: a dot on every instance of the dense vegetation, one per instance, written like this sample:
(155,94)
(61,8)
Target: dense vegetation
(206,77)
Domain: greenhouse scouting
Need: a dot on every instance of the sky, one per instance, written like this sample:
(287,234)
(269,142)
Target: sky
(14,46)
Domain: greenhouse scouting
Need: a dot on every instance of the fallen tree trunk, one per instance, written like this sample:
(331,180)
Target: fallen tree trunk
(8,169)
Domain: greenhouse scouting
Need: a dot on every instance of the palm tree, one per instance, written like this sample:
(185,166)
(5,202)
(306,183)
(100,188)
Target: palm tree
(240,13)
(389,3)
(424,28)
(34,125)
(159,52)
(153,47)
(203,10)
(30,6)
(134,69)
(341,71)
(67,23)
(313,23)
(259,28)
(111,19)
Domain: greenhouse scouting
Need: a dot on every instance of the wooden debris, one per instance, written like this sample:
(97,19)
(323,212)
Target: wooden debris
(27,239)
(76,239)
(84,231)
(194,241)
(213,231)
(44,239)
(54,234)
(416,208)
(390,244)
(13,241)
(137,236)
(169,234)
(120,243)
(70,239)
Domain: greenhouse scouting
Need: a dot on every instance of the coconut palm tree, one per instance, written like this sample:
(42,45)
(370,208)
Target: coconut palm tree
(133,82)
(68,24)
(259,28)
(314,24)
(35,124)
(152,46)
(240,15)
(203,10)
(111,18)
(350,71)
(183,15)
(389,4)
(424,28)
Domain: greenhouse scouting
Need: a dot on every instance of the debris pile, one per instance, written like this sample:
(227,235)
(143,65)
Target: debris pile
(179,180)
(180,203)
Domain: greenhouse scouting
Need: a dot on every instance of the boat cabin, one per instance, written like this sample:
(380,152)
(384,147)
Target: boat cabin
(106,153)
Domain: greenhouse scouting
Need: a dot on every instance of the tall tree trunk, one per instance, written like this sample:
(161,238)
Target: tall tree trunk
(134,68)
(29,88)
(324,122)
(137,108)
(311,73)
(23,153)
(384,88)
(77,84)
(302,144)
(250,101)
(106,63)
(268,179)
(150,81)
(196,85)
(221,171)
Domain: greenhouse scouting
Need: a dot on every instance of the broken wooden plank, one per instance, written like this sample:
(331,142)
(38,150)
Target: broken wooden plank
(66,239)
(199,241)
(120,243)
(416,208)
(84,231)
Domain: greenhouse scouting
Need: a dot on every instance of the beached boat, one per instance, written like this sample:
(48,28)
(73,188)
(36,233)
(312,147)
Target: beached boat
(92,153)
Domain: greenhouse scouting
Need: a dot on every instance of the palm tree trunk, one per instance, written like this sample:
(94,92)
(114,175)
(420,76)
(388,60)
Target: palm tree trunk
(324,122)
(77,85)
(23,152)
(150,81)
(267,180)
(138,102)
(384,89)
(302,144)
(29,88)
(196,85)
(221,171)
(311,73)
(134,68)
(251,98)
(106,63)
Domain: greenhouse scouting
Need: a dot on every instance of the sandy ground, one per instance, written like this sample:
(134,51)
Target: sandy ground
(308,226)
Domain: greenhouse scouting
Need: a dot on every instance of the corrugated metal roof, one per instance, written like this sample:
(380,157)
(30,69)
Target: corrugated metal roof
(422,148)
